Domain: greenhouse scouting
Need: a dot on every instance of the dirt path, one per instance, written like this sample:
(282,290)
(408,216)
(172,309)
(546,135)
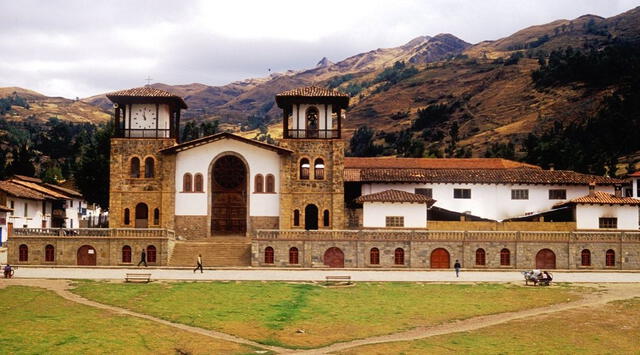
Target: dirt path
(610,292)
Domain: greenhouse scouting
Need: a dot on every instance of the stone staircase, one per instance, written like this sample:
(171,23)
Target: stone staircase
(216,252)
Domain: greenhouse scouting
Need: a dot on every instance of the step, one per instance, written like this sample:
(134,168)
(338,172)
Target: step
(230,251)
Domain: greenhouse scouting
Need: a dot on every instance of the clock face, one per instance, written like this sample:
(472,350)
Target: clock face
(143,117)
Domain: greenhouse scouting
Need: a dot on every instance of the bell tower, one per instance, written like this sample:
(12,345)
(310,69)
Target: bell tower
(312,188)
(141,179)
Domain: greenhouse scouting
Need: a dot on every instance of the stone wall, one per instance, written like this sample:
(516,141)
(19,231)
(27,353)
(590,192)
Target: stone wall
(126,192)
(326,194)
(108,249)
(192,227)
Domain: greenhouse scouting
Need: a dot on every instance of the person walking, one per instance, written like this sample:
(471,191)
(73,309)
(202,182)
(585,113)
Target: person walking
(143,258)
(457,266)
(198,264)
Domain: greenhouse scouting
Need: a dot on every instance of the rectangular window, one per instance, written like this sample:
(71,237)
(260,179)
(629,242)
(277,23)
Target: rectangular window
(394,221)
(560,194)
(519,194)
(12,204)
(628,192)
(461,193)
(425,192)
(638,188)
(608,222)
(26,209)
(71,203)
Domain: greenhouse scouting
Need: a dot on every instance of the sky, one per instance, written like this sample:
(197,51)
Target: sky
(84,48)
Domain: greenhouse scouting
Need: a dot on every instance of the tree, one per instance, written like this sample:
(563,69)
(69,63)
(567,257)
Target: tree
(22,163)
(361,144)
(453,140)
(92,174)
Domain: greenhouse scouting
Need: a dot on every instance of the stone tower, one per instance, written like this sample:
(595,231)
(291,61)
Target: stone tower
(312,188)
(141,191)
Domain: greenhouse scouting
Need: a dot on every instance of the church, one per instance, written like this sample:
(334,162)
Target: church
(302,203)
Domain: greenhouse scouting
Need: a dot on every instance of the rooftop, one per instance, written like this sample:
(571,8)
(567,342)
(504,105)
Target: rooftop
(312,91)
(222,135)
(395,196)
(145,91)
(435,163)
(20,191)
(601,198)
(312,95)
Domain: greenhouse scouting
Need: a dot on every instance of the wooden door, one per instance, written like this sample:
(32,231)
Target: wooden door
(311,217)
(334,257)
(440,259)
(87,255)
(545,259)
(229,196)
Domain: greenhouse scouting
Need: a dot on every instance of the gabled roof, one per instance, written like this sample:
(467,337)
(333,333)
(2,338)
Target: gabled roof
(48,193)
(64,190)
(600,198)
(20,191)
(312,94)
(223,135)
(27,178)
(434,163)
(145,91)
(475,176)
(395,196)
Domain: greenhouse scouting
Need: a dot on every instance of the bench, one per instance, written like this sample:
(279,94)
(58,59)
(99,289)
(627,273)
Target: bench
(338,278)
(137,278)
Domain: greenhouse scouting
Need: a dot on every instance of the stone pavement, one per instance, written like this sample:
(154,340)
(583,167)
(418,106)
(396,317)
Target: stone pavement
(316,275)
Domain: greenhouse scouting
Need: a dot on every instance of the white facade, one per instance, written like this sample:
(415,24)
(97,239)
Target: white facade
(200,160)
(28,213)
(147,117)
(375,214)
(635,187)
(298,120)
(73,212)
(588,216)
(3,228)
(492,201)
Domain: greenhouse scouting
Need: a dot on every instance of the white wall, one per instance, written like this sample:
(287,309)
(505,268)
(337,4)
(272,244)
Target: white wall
(3,227)
(72,214)
(634,187)
(492,201)
(298,118)
(374,213)
(198,160)
(131,121)
(34,216)
(587,216)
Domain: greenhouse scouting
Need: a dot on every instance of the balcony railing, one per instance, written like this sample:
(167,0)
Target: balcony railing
(312,134)
(145,133)
(461,236)
(95,232)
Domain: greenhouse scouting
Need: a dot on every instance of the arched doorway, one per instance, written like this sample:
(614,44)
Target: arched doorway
(311,217)
(334,257)
(142,215)
(440,259)
(545,259)
(87,255)
(229,196)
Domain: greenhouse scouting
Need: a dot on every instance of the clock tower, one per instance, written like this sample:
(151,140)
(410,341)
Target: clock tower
(141,179)
(312,185)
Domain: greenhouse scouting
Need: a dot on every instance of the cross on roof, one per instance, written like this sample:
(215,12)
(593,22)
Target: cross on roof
(148,79)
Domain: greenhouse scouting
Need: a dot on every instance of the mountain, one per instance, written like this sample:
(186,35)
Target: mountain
(41,108)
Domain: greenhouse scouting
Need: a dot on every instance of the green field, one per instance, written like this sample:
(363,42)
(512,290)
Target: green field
(611,329)
(37,321)
(273,312)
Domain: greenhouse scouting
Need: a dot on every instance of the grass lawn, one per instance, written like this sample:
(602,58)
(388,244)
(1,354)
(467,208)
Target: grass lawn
(272,312)
(37,321)
(611,329)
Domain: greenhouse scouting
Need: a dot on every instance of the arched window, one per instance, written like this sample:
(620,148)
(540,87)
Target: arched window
(585,257)
(610,258)
(268,255)
(151,254)
(49,253)
(198,183)
(304,169)
(318,169)
(325,218)
(480,257)
(23,253)
(293,256)
(399,256)
(126,254)
(374,256)
(296,218)
(127,216)
(134,172)
(505,257)
(258,183)
(156,216)
(271,183)
(187,183)
(149,165)
(312,122)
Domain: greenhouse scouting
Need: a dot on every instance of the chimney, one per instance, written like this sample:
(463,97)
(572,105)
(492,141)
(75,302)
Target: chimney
(618,189)
(592,189)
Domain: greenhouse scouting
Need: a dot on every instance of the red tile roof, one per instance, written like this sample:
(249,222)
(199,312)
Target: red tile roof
(313,91)
(145,91)
(49,193)
(435,163)
(27,178)
(20,191)
(395,196)
(636,174)
(64,190)
(478,176)
(223,135)
(601,198)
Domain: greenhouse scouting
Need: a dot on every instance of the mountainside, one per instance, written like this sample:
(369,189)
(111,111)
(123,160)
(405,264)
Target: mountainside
(41,108)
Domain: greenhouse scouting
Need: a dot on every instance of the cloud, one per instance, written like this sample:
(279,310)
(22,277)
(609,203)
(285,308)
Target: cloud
(82,48)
